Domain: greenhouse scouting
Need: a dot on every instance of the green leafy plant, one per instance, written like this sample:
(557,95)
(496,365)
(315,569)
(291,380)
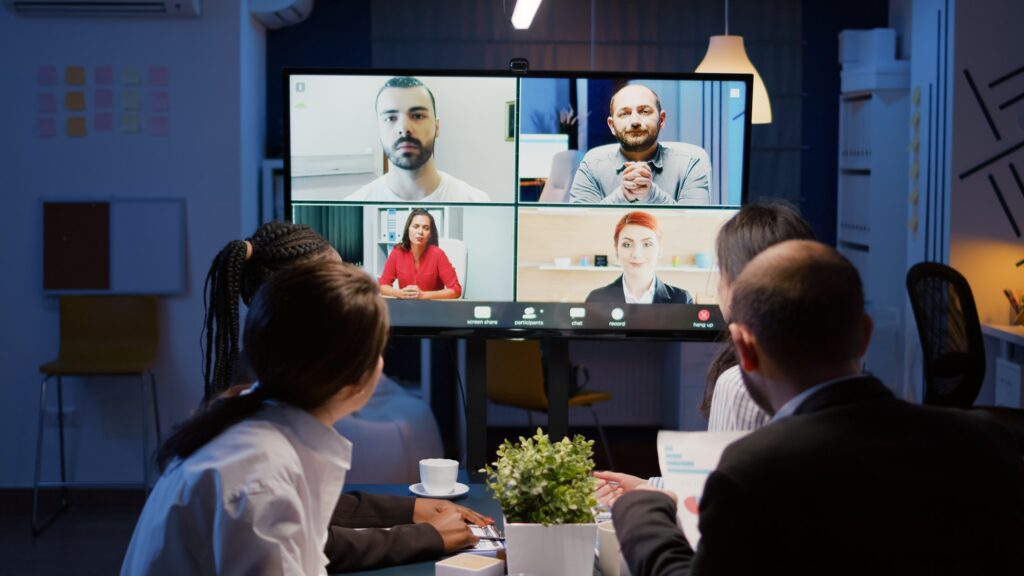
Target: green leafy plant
(540,482)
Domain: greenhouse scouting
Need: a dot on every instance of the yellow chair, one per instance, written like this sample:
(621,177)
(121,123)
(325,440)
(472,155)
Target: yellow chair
(99,336)
(515,377)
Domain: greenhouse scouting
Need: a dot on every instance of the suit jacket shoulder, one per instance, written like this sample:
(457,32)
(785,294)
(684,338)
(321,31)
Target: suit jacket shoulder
(611,293)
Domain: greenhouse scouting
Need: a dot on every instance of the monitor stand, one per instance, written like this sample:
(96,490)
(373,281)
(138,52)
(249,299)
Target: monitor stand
(556,354)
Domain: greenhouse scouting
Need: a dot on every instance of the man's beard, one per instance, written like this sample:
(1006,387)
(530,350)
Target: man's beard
(756,395)
(410,160)
(637,142)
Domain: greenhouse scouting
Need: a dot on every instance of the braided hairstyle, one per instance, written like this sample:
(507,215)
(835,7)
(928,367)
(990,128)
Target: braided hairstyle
(314,329)
(238,273)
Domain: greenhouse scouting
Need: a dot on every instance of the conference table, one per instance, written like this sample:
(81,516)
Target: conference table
(478,499)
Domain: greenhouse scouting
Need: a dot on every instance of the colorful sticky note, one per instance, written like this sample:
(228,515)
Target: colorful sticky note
(46,127)
(129,122)
(159,126)
(103,98)
(103,122)
(104,75)
(159,101)
(74,101)
(46,103)
(46,75)
(130,100)
(76,126)
(158,76)
(74,75)
(130,76)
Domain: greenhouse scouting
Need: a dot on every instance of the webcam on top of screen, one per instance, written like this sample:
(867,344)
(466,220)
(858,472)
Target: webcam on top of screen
(519,66)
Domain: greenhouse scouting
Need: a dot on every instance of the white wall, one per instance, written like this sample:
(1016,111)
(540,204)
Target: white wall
(985,246)
(210,158)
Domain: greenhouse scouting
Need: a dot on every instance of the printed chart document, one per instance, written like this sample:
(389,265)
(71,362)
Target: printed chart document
(686,460)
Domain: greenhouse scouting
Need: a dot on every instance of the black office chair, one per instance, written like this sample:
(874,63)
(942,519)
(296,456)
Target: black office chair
(954,349)
(950,333)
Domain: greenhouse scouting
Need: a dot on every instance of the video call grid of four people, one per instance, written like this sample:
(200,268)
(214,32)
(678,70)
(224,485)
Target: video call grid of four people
(635,169)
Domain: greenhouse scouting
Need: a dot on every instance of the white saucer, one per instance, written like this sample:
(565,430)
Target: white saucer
(459,490)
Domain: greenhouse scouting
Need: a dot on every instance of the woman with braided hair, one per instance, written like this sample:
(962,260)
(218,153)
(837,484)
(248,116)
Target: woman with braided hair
(250,482)
(420,528)
(238,271)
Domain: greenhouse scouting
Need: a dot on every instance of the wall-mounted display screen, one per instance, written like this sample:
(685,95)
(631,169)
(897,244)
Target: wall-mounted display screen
(553,203)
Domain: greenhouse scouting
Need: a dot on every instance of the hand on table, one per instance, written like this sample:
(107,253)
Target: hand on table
(611,485)
(410,292)
(453,530)
(426,509)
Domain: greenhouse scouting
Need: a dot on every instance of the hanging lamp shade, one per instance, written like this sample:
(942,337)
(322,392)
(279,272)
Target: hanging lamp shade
(726,54)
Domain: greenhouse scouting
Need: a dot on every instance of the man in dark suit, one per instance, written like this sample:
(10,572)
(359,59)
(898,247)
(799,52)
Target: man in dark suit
(845,479)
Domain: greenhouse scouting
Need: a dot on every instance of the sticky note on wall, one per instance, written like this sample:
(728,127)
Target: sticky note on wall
(46,103)
(103,98)
(76,126)
(130,123)
(74,101)
(159,102)
(130,100)
(74,75)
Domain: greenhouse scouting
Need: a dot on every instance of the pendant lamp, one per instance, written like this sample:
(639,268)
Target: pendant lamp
(726,54)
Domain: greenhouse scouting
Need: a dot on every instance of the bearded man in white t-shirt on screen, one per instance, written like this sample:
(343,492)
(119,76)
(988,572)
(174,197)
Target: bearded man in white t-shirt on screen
(408,127)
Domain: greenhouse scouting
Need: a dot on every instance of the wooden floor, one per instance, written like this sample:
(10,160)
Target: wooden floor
(92,535)
(89,538)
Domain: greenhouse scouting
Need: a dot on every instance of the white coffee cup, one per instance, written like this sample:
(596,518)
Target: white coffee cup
(610,557)
(438,475)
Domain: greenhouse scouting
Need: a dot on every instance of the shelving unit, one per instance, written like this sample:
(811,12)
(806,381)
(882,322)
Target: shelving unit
(874,111)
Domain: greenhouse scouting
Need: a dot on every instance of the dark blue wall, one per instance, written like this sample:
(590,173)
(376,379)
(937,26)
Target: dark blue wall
(336,34)
(822,22)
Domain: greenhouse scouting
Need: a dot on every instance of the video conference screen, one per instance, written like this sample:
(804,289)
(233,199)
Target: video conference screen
(548,203)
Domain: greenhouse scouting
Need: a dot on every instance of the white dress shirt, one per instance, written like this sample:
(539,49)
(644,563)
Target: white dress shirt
(646,298)
(450,189)
(257,499)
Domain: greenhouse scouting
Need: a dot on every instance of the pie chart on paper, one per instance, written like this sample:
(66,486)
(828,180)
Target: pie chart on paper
(691,505)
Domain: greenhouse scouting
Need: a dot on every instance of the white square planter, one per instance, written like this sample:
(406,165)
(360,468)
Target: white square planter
(555,550)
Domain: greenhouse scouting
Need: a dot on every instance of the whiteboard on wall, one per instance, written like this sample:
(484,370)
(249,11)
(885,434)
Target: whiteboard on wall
(147,247)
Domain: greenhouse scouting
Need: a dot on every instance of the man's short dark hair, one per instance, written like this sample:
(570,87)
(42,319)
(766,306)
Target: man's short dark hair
(611,103)
(405,82)
(804,303)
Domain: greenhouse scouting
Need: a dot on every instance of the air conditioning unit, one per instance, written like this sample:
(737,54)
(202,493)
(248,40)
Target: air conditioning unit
(107,7)
(276,14)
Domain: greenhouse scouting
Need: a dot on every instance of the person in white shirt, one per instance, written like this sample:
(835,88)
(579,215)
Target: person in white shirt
(250,482)
(727,404)
(408,127)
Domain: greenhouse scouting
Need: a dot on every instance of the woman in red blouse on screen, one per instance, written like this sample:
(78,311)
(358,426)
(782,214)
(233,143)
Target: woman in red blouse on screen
(421,267)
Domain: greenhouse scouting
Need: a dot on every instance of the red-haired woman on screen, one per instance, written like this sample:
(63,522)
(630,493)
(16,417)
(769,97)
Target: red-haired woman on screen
(637,247)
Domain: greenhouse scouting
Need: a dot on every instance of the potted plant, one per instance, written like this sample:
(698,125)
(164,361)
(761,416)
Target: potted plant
(546,493)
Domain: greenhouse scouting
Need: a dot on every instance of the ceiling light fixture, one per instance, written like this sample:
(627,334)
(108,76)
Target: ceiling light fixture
(522,15)
(726,54)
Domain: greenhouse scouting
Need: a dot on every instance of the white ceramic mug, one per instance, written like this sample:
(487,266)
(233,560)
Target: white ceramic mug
(610,557)
(438,475)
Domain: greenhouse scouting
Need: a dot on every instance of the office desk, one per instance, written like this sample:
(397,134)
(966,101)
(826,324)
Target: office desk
(478,499)
(1007,372)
